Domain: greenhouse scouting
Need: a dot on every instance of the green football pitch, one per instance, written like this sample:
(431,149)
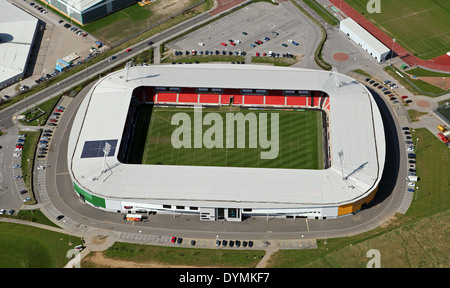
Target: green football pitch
(299,144)
(420,26)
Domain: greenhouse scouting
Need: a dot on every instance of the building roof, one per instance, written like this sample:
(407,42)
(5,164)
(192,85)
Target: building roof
(81,5)
(17,29)
(364,35)
(356,129)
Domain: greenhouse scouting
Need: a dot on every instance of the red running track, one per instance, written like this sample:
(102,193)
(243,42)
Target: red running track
(441,63)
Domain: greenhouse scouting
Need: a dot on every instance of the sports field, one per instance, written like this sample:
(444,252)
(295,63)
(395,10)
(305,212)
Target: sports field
(420,26)
(299,144)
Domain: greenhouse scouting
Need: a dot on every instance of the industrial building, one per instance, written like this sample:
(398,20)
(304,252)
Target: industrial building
(17,35)
(85,11)
(356,145)
(363,38)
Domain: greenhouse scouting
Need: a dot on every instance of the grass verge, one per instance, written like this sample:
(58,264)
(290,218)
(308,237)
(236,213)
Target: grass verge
(29,247)
(181,256)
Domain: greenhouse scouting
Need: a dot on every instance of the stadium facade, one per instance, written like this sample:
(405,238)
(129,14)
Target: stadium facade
(85,11)
(103,126)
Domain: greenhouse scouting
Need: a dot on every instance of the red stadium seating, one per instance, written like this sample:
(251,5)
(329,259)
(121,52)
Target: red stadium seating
(253,99)
(210,98)
(237,99)
(296,100)
(188,98)
(326,103)
(166,97)
(228,93)
(275,100)
(225,99)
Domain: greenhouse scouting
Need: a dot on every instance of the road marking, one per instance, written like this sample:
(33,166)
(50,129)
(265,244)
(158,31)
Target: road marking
(307,226)
(65,173)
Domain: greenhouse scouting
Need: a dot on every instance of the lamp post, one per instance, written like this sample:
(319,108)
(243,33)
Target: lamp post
(392,52)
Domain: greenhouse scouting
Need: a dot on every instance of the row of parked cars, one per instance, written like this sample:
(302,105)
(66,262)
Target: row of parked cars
(21,138)
(39,8)
(210,52)
(223,243)
(10,212)
(412,177)
(47,76)
(386,88)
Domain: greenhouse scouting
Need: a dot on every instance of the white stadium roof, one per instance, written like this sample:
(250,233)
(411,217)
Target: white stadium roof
(356,129)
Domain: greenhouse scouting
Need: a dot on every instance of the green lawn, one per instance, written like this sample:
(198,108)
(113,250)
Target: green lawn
(299,145)
(24,246)
(421,27)
(182,256)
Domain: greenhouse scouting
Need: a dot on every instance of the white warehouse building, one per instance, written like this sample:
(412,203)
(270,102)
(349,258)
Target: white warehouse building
(367,41)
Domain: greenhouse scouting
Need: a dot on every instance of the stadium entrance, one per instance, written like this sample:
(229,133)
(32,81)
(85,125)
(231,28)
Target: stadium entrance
(228,214)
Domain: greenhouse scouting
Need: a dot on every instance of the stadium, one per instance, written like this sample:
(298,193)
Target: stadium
(331,141)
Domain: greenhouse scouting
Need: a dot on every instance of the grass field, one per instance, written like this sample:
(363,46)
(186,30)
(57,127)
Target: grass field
(29,247)
(421,27)
(299,145)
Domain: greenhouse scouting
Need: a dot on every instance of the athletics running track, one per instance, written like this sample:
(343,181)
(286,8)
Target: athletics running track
(441,63)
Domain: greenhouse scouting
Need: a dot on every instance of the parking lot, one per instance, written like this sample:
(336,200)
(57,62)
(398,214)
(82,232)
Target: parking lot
(251,24)
(52,41)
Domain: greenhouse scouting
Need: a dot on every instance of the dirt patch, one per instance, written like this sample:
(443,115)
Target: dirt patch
(170,6)
(392,220)
(423,103)
(441,82)
(97,259)
(341,56)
